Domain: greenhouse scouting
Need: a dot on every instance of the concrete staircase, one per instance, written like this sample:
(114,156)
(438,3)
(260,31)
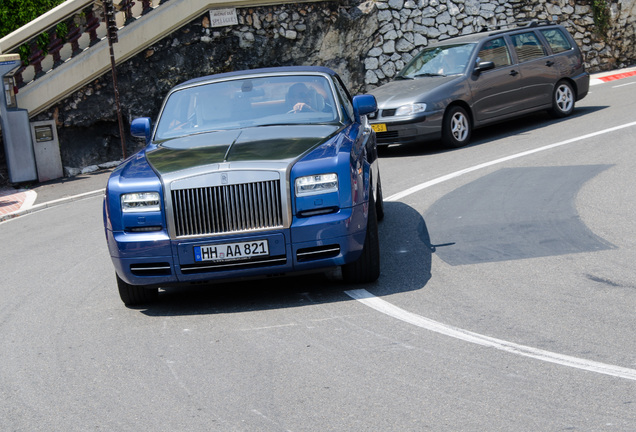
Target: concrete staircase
(138,29)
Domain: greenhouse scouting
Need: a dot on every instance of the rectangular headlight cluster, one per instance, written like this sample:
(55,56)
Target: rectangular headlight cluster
(316,184)
(140,202)
(410,109)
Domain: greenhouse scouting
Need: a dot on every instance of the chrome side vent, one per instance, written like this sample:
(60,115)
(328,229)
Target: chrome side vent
(317,252)
(227,208)
(151,269)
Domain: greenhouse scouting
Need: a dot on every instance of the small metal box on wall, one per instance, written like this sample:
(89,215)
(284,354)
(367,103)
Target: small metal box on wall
(47,150)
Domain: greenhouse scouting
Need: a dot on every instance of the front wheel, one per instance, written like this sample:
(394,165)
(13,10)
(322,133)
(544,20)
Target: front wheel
(367,267)
(134,295)
(562,100)
(456,128)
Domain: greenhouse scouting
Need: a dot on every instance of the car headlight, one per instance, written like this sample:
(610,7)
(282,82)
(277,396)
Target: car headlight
(140,202)
(315,184)
(410,109)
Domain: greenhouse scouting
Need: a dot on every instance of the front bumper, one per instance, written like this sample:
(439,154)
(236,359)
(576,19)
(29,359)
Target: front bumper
(313,243)
(416,129)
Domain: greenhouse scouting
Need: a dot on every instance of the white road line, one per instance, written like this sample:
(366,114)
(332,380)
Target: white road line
(368,299)
(398,196)
(623,85)
(389,309)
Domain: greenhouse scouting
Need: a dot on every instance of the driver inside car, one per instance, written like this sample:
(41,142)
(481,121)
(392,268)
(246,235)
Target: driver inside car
(299,97)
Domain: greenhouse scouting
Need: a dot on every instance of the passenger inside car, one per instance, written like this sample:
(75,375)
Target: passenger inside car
(452,63)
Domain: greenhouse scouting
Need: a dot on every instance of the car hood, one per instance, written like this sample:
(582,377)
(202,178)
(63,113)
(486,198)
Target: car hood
(396,93)
(265,143)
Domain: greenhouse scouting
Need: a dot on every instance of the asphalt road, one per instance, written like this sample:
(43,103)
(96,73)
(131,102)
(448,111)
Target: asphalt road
(506,302)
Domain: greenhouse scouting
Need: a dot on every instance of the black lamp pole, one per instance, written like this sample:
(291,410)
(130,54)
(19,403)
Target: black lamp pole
(111,35)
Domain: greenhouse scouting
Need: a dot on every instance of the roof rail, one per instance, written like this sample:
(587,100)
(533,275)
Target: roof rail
(502,28)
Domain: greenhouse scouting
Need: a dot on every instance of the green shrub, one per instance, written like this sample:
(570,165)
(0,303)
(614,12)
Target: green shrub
(601,12)
(16,13)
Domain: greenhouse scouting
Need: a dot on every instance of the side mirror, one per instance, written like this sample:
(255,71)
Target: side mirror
(140,128)
(363,105)
(484,66)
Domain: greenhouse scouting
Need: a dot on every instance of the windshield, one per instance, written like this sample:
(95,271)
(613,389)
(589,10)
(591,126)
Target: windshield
(439,61)
(247,102)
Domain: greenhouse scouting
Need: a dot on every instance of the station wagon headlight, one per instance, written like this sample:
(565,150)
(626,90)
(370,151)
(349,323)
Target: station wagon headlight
(410,109)
(140,202)
(315,184)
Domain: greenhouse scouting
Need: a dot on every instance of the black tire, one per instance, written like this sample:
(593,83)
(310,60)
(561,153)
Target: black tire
(383,149)
(134,295)
(367,267)
(562,100)
(379,202)
(456,127)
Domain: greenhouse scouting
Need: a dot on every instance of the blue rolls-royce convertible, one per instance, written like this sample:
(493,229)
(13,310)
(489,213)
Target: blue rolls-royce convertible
(247,174)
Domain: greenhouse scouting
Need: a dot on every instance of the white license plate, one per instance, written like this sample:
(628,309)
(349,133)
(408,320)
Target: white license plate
(231,251)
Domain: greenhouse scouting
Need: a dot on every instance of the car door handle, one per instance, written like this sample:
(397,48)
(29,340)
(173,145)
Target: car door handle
(514,72)
(549,63)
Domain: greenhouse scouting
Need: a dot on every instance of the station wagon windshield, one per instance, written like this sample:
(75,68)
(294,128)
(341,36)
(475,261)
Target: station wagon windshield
(439,61)
(247,102)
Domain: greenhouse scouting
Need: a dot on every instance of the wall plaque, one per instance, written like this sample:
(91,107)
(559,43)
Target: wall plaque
(223,17)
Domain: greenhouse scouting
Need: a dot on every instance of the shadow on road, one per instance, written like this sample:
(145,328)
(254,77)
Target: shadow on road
(513,214)
(405,266)
(484,135)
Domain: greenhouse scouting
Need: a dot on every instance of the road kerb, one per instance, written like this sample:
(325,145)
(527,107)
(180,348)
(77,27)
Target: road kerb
(49,204)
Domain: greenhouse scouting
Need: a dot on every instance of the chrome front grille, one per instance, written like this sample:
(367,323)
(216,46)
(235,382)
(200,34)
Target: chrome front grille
(227,208)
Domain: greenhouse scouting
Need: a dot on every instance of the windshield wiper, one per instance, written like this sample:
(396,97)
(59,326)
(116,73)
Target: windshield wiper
(428,74)
(403,77)
(278,124)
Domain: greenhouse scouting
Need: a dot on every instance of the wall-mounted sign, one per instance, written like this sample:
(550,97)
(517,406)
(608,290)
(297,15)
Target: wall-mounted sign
(9,92)
(43,133)
(223,17)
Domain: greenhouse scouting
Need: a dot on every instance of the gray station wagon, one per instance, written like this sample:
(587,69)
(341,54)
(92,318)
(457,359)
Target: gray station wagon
(461,83)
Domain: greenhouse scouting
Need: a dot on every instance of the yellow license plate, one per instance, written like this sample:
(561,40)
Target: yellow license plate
(379,127)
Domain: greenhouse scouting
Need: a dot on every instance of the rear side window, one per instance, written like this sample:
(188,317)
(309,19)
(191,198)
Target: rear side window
(557,40)
(527,46)
(495,51)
